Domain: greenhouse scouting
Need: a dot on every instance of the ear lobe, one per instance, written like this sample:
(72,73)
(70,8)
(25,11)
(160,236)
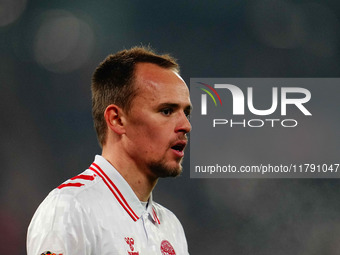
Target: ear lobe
(113,117)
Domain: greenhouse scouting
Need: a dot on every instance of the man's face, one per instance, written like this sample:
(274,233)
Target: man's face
(157,122)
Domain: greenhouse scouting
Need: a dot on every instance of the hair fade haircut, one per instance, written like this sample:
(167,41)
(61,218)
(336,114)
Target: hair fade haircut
(113,79)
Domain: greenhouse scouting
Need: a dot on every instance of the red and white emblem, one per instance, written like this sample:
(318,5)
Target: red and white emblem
(50,253)
(131,243)
(166,248)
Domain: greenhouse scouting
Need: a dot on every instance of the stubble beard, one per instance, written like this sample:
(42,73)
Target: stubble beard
(161,170)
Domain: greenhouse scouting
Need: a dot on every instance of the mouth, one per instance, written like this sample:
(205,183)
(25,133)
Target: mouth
(179,147)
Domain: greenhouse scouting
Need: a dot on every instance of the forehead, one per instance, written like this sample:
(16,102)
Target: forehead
(154,83)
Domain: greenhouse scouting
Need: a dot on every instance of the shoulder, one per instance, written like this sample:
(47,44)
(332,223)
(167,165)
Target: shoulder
(64,206)
(77,184)
(163,210)
(166,216)
(70,199)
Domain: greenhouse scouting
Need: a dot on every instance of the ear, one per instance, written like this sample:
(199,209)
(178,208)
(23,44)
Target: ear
(113,116)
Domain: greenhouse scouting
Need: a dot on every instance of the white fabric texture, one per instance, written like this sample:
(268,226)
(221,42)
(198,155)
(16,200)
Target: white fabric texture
(97,212)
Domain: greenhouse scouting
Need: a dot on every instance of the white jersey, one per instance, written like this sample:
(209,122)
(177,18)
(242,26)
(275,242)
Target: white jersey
(97,212)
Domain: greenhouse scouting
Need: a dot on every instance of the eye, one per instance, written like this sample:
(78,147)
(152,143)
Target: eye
(167,111)
(187,114)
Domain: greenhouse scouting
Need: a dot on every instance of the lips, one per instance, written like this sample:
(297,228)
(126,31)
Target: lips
(178,147)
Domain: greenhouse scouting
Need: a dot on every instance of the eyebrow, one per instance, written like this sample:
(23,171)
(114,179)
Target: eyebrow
(174,105)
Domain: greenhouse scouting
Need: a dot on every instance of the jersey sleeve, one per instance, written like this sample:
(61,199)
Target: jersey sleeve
(60,226)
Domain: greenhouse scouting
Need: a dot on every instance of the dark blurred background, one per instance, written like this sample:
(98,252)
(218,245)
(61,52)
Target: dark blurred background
(49,50)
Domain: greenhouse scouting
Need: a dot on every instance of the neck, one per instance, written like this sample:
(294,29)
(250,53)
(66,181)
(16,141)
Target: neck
(138,178)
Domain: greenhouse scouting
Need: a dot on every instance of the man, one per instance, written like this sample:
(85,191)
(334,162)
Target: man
(140,109)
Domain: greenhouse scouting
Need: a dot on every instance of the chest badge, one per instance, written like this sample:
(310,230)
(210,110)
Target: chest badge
(131,244)
(166,248)
(50,253)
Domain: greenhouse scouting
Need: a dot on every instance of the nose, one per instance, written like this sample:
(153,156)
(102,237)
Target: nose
(183,124)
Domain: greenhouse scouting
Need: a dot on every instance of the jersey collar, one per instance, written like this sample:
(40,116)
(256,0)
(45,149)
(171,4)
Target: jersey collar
(121,190)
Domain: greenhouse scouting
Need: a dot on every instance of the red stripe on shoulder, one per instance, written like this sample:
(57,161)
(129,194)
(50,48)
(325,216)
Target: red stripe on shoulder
(77,184)
(83,177)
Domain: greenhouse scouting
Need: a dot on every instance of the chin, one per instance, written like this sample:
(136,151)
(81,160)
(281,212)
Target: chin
(162,171)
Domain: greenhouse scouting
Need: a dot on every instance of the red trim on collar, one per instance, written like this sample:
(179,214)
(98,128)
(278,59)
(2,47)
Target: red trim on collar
(118,195)
(155,216)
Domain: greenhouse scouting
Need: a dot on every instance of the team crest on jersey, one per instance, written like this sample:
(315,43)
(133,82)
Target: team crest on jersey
(50,253)
(131,244)
(166,248)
